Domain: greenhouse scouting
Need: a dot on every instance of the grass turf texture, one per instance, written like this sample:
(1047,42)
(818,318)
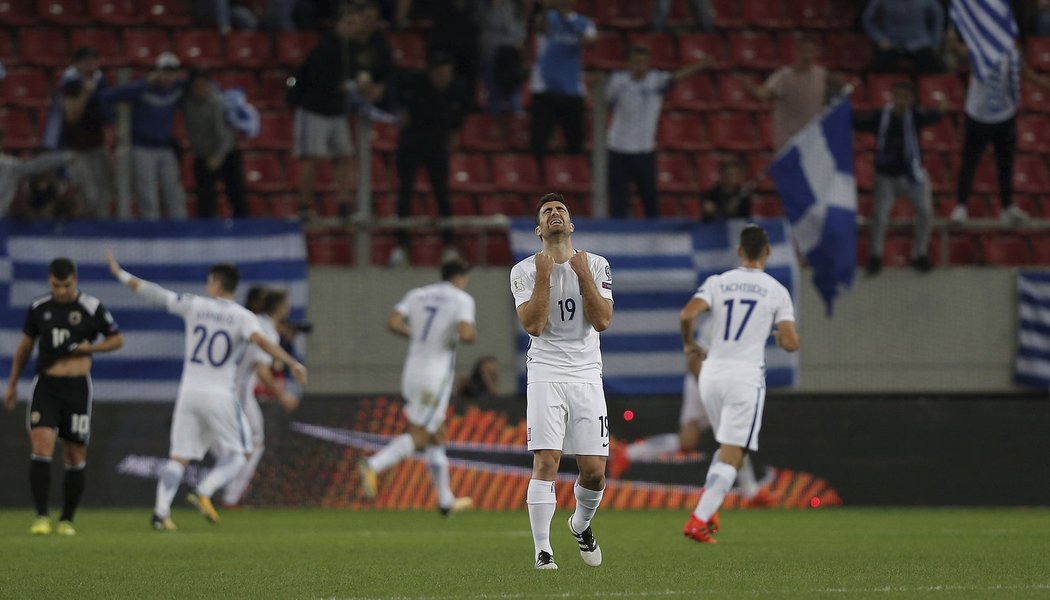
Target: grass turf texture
(855,553)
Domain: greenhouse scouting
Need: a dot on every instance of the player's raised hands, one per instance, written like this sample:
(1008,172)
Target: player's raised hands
(114,266)
(544,264)
(580,265)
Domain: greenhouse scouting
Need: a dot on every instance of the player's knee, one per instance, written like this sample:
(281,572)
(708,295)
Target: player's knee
(545,465)
(592,479)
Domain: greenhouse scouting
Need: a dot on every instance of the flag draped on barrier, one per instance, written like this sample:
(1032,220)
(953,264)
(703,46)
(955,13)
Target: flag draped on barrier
(1032,367)
(174,255)
(814,175)
(657,266)
(988,29)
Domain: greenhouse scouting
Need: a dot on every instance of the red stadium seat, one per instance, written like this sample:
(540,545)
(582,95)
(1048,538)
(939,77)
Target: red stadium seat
(726,14)
(19,132)
(249,49)
(510,205)
(939,173)
(330,250)
(68,13)
(674,174)
(864,171)
(733,93)
(693,47)
(26,88)
(482,132)
(1041,250)
(680,14)
(757,170)
(44,47)
(141,46)
(822,14)
(682,131)
(961,250)
(694,93)
(948,86)
(104,41)
(848,51)
(662,50)
(426,250)
(463,206)
(263,173)
(769,14)
(293,46)
(275,132)
(515,173)
(384,137)
(273,86)
(8,52)
(752,50)
(497,249)
(623,14)
(470,173)
(116,13)
(865,205)
(707,170)
(382,246)
(1030,174)
(765,130)
(1034,98)
(408,49)
(324,181)
(939,137)
(166,13)
(766,206)
(568,174)
(896,251)
(733,131)
(18,13)
(1032,132)
(199,47)
(1038,53)
(1029,204)
(606,53)
(1005,251)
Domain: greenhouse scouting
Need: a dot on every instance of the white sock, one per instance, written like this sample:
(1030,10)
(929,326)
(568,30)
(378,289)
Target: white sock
(168,480)
(235,489)
(542,503)
(222,473)
(587,502)
(745,478)
(652,447)
(437,464)
(720,478)
(396,451)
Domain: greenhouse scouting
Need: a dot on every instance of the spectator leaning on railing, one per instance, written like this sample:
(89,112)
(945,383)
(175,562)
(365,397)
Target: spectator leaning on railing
(214,145)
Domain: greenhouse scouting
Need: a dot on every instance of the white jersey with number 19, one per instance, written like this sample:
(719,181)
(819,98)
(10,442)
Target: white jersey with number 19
(217,333)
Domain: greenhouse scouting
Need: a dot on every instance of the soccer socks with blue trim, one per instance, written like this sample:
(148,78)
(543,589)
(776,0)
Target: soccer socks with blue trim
(587,502)
(168,480)
(72,490)
(222,473)
(396,451)
(437,464)
(542,503)
(231,495)
(720,478)
(40,482)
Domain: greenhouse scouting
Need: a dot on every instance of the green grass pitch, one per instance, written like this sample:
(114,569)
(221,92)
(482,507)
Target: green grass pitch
(269,553)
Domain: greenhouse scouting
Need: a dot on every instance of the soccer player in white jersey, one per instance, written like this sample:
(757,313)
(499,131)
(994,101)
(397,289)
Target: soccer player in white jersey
(564,299)
(218,330)
(435,318)
(255,369)
(746,304)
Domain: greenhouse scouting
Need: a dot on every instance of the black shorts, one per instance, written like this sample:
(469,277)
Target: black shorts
(62,403)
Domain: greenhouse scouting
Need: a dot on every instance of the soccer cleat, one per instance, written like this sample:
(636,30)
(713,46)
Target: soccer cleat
(545,561)
(162,523)
(66,528)
(41,526)
(590,552)
(458,505)
(369,480)
(713,525)
(696,529)
(203,504)
(959,214)
(762,499)
(618,462)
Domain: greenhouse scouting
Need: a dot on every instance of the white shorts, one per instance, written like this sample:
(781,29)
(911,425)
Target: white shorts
(321,136)
(426,398)
(202,419)
(571,417)
(692,408)
(253,415)
(735,409)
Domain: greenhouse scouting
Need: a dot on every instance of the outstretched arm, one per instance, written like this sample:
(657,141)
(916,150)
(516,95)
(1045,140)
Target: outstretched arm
(150,291)
(287,401)
(298,370)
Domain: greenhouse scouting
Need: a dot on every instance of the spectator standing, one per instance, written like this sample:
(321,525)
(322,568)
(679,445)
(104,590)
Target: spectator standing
(214,146)
(13,170)
(905,29)
(456,32)
(636,97)
(899,170)
(730,198)
(799,92)
(557,77)
(701,13)
(154,101)
(435,104)
(503,32)
(83,131)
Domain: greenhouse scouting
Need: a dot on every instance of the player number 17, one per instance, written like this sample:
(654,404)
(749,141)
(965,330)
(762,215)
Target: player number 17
(729,317)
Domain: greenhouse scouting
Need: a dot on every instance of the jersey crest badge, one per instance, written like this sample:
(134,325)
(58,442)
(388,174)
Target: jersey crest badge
(47,315)
(518,285)
(74,317)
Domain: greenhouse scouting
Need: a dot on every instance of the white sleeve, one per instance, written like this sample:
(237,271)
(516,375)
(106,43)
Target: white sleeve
(250,325)
(176,304)
(664,81)
(785,309)
(402,306)
(521,285)
(706,290)
(467,310)
(615,86)
(602,274)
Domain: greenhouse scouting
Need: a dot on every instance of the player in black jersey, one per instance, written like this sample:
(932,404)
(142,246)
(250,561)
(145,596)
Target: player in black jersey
(67,322)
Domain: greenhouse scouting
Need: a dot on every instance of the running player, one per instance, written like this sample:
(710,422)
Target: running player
(564,299)
(66,321)
(206,410)
(434,318)
(746,304)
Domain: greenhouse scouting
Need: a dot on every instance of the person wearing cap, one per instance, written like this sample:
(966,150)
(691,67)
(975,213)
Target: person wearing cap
(154,101)
(214,146)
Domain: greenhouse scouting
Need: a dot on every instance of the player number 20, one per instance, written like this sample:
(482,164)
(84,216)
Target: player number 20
(567,305)
(217,354)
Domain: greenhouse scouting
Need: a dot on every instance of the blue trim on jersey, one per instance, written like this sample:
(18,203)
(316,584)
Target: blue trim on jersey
(754,419)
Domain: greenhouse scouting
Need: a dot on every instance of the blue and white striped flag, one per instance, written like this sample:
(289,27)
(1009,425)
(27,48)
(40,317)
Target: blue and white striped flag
(657,267)
(989,30)
(174,255)
(814,175)
(1032,367)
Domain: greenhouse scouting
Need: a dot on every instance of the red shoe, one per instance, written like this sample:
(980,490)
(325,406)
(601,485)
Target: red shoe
(763,499)
(698,530)
(619,462)
(712,525)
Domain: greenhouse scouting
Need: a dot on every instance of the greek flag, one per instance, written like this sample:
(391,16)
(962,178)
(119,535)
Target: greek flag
(1032,367)
(174,255)
(657,267)
(989,30)
(814,175)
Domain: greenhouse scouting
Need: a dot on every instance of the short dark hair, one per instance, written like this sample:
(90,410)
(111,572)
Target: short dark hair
(753,240)
(272,300)
(62,268)
(227,276)
(454,268)
(253,300)
(551,197)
